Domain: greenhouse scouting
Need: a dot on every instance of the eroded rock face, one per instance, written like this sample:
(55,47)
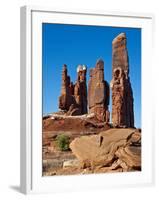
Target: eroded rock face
(98,93)
(112,149)
(66,98)
(80,89)
(122,95)
(73,98)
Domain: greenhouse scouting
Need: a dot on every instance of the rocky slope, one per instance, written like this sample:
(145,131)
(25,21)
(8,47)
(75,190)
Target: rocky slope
(111,150)
(72,126)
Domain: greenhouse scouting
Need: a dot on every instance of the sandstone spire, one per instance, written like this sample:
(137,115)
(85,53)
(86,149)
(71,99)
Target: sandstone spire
(66,99)
(122,95)
(98,93)
(80,91)
(73,98)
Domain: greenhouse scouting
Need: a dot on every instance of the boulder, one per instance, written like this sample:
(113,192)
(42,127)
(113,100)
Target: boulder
(111,149)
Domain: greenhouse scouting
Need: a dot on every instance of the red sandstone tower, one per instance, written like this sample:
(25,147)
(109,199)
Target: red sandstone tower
(98,93)
(122,95)
(66,99)
(80,89)
(73,98)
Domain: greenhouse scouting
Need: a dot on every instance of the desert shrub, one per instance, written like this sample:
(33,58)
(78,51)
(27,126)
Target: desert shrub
(63,142)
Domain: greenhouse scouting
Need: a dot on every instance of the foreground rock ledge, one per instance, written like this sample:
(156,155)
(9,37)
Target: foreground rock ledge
(111,150)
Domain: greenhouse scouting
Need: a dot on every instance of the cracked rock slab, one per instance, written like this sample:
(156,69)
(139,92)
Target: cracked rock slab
(112,149)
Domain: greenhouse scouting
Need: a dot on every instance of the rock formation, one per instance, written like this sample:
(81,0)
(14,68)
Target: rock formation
(122,95)
(80,89)
(95,146)
(111,150)
(73,98)
(66,99)
(98,93)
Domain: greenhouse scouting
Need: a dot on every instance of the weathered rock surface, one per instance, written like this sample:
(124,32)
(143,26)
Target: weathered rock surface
(73,126)
(122,95)
(71,163)
(66,99)
(114,149)
(120,53)
(73,98)
(98,93)
(56,162)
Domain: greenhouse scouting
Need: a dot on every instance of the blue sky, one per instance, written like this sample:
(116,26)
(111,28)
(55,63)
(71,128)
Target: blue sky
(77,44)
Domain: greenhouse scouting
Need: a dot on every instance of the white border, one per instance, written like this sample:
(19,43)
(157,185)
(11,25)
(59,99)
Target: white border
(31,101)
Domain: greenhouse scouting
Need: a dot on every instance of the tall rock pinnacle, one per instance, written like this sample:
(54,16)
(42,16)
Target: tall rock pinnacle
(122,95)
(98,93)
(73,98)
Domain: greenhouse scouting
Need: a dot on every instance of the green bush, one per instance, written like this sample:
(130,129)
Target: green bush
(63,142)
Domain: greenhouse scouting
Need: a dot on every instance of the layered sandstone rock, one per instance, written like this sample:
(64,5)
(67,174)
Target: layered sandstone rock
(80,89)
(73,98)
(66,99)
(98,93)
(112,149)
(122,95)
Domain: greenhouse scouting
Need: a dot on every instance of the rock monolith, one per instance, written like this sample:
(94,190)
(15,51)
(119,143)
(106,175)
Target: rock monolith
(122,94)
(98,93)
